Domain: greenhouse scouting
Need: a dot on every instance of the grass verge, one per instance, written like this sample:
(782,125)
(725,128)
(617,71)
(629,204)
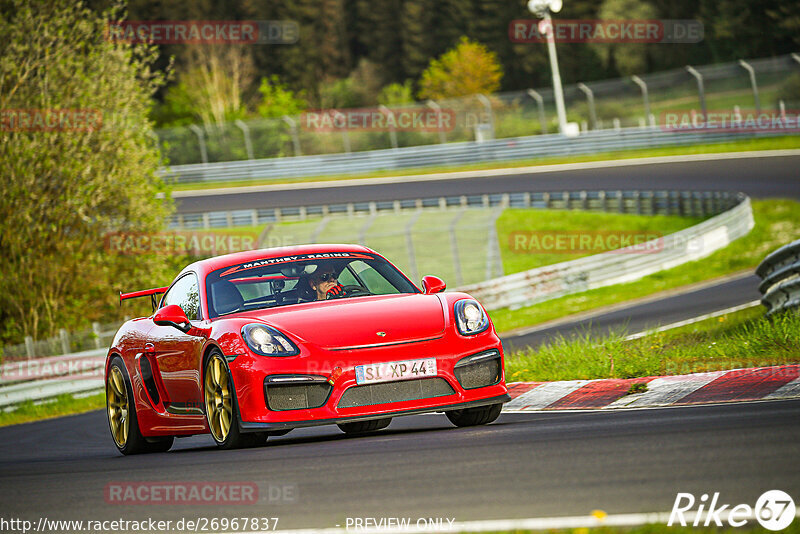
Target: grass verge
(773,143)
(751,528)
(733,341)
(57,407)
(777,223)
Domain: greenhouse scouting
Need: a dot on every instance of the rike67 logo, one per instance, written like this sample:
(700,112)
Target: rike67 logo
(774,510)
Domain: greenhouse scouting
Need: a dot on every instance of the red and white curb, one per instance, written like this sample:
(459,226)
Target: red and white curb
(759,383)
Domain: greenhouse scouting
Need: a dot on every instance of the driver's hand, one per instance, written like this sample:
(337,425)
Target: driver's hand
(335,292)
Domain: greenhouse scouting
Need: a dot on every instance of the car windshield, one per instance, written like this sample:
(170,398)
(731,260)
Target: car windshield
(295,279)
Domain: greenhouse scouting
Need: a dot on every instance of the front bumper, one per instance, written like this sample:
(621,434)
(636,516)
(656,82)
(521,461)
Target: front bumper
(249,373)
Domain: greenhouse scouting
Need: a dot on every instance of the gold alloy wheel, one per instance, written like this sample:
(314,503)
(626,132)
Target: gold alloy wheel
(117,404)
(219,406)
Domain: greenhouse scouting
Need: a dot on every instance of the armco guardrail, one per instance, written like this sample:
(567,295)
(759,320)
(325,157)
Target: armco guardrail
(615,267)
(507,149)
(780,274)
(43,378)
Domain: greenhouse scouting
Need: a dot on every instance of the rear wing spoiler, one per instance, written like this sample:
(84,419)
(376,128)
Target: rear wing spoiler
(144,293)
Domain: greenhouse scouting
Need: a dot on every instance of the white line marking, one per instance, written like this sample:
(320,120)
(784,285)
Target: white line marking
(693,320)
(532,523)
(488,173)
(544,395)
(666,390)
(786,391)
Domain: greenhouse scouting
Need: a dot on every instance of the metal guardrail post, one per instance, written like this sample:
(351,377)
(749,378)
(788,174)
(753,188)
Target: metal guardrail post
(646,99)
(590,100)
(540,104)
(454,247)
(412,258)
(746,66)
(488,105)
(392,133)
(248,144)
(201,140)
(29,350)
(98,343)
(436,107)
(293,132)
(64,338)
(700,88)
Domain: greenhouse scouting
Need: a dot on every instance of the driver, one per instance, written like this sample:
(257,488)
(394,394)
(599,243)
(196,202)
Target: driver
(324,283)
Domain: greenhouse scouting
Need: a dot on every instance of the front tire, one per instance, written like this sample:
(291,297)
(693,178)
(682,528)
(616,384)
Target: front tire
(480,415)
(121,412)
(362,427)
(222,412)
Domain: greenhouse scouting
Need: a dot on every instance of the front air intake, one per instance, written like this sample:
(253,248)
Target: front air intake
(296,392)
(479,371)
(388,392)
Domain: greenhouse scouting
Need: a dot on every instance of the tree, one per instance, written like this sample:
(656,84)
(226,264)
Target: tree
(277,100)
(625,58)
(396,94)
(468,69)
(65,186)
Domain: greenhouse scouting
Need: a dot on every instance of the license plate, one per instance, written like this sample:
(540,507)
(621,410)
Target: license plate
(389,371)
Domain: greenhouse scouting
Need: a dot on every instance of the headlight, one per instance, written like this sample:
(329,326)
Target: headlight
(470,317)
(267,341)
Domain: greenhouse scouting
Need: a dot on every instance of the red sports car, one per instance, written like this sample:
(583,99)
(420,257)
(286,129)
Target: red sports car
(256,343)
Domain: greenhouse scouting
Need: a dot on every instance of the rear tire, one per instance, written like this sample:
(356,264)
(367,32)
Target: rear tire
(480,415)
(362,427)
(121,412)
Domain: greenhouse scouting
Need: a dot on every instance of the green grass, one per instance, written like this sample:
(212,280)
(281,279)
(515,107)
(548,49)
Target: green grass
(784,142)
(515,222)
(56,407)
(777,223)
(737,340)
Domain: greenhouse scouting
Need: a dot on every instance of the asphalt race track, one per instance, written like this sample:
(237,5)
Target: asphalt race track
(543,464)
(524,465)
(651,314)
(770,177)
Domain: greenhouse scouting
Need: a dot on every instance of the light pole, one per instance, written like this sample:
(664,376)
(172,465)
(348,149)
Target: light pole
(543,8)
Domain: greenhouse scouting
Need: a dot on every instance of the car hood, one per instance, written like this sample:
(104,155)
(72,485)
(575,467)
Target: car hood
(358,322)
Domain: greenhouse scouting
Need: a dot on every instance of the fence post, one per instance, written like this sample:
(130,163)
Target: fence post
(201,140)
(492,245)
(64,336)
(97,332)
(488,105)
(540,104)
(293,131)
(362,233)
(751,71)
(436,107)
(649,118)
(29,347)
(248,145)
(392,133)
(590,100)
(412,258)
(700,89)
(454,248)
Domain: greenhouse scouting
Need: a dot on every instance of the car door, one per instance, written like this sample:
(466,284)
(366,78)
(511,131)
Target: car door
(178,355)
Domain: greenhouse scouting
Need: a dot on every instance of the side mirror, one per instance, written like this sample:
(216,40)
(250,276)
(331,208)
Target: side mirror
(433,284)
(172,315)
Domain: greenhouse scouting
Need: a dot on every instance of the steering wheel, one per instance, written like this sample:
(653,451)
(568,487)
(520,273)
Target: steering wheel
(355,291)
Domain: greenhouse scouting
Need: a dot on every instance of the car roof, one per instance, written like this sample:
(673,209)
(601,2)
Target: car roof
(205,266)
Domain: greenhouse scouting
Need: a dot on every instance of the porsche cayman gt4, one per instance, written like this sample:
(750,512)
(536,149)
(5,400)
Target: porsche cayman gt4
(254,344)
